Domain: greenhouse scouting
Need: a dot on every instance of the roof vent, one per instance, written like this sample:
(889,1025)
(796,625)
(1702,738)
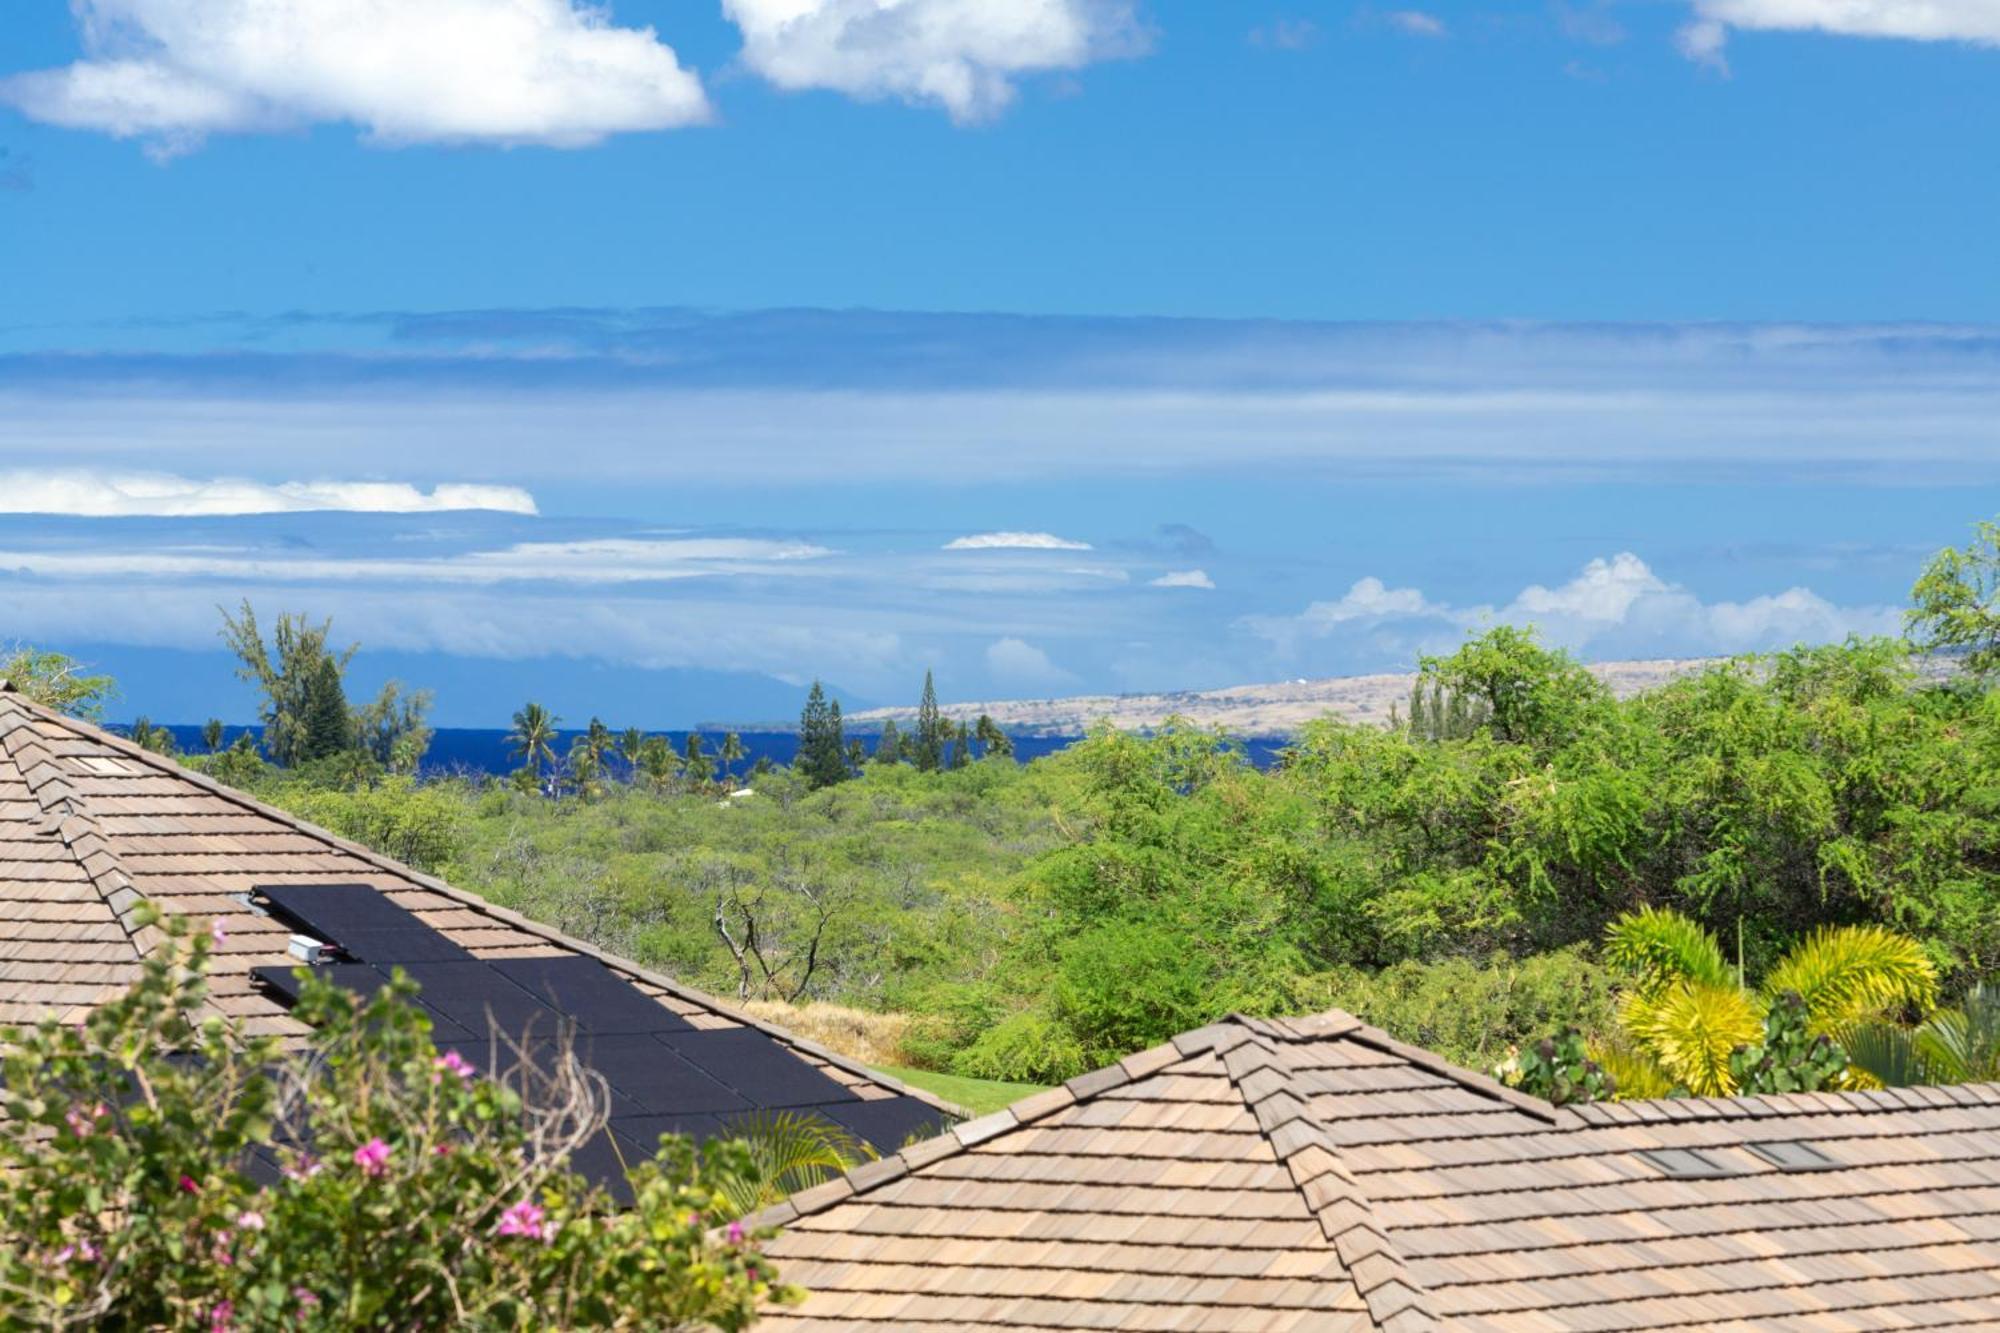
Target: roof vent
(1793,1156)
(1684,1163)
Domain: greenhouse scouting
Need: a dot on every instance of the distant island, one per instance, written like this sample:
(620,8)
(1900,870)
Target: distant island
(1277,708)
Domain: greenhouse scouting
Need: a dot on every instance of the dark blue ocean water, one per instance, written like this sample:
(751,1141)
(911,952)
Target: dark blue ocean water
(469,750)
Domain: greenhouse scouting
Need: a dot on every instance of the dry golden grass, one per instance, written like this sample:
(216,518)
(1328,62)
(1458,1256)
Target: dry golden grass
(873,1039)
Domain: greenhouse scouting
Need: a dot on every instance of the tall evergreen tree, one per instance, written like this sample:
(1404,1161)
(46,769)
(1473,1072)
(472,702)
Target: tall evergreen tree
(928,752)
(857,756)
(961,745)
(889,749)
(822,759)
(328,726)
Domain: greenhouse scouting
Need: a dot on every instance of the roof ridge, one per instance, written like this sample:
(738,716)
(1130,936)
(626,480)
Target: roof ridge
(469,899)
(1260,1072)
(65,814)
(1338,1023)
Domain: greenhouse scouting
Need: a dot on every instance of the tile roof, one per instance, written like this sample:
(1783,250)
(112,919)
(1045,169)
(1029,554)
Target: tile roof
(1317,1174)
(91,825)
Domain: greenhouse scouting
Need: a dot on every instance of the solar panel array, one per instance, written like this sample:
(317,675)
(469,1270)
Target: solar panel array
(666,1075)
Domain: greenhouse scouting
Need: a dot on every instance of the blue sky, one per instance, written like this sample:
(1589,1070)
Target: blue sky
(1283,340)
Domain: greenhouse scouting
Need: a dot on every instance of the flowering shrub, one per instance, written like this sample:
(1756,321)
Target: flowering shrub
(159,1168)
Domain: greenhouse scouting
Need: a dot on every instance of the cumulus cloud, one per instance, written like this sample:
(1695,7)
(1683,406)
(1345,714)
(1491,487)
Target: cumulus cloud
(610,560)
(91,494)
(1615,606)
(1015,541)
(1019,663)
(551,72)
(962,55)
(1974,21)
(1184,578)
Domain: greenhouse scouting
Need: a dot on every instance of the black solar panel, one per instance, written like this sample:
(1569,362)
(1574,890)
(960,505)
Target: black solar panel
(333,911)
(890,1123)
(765,1073)
(403,944)
(586,990)
(665,1075)
(357,977)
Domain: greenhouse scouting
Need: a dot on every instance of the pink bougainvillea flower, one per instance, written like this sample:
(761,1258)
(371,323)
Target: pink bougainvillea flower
(373,1158)
(304,1166)
(735,1233)
(250,1220)
(81,1251)
(83,1123)
(306,1299)
(222,1318)
(217,931)
(527,1220)
(189,1185)
(451,1062)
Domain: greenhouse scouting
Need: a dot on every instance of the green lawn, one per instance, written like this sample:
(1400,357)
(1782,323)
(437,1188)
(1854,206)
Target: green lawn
(976,1095)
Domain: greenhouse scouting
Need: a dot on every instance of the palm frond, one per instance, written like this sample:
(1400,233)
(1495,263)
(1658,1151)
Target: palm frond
(1690,1029)
(1845,973)
(789,1151)
(1963,1044)
(1635,1075)
(1662,947)
(1881,1054)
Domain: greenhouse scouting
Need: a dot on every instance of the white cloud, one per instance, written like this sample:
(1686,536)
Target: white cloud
(1416,23)
(92,494)
(1184,578)
(552,72)
(962,55)
(1018,662)
(1015,541)
(1974,21)
(1614,607)
(607,561)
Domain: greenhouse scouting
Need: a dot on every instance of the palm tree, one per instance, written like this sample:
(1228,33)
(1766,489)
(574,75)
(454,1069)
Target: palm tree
(1956,1045)
(597,739)
(789,1151)
(731,751)
(629,746)
(211,735)
(696,767)
(1688,1010)
(532,740)
(658,762)
(585,766)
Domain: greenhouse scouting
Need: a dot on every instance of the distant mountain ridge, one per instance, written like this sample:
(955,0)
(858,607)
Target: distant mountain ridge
(1275,709)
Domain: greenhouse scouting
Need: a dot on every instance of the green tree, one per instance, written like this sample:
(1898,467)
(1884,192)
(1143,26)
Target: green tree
(889,746)
(1526,693)
(56,681)
(1955,605)
(326,726)
(822,757)
(927,751)
(394,729)
(658,763)
(961,745)
(630,743)
(211,735)
(584,768)
(597,738)
(992,740)
(290,672)
(533,737)
(149,737)
(1960,1044)
(696,767)
(731,752)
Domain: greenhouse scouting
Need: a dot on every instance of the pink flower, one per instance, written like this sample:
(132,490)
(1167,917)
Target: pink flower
(222,1318)
(250,1220)
(373,1158)
(189,1185)
(217,931)
(306,1299)
(735,1233)
(527,1220)
(451,1062)
(304,1166)
(84,1123)
(81,1250)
